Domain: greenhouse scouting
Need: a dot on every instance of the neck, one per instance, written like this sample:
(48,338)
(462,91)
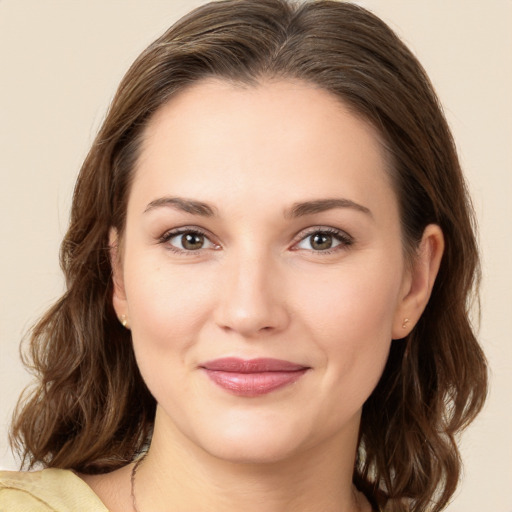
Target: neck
(178,475)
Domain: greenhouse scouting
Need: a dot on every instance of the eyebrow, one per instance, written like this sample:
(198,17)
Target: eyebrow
(296,210)
(185,205)
(322,205)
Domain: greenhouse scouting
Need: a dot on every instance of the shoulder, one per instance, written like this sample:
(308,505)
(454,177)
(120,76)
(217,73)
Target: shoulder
(49,490)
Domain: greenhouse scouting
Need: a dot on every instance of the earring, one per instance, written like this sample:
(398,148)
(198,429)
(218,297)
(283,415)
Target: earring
(404,323)
(124,321)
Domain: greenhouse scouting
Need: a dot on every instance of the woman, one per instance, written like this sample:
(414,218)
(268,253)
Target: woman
(268,270)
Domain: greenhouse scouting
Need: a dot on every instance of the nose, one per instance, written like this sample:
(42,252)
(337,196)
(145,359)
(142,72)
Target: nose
(252,297)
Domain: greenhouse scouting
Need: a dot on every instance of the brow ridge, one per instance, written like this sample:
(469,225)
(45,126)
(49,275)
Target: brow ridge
(187,205)
(321,205)
(299,209)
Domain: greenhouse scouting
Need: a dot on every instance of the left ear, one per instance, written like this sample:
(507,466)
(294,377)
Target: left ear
(419,281)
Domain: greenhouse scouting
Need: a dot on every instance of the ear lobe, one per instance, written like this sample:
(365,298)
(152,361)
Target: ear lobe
(420,281)
(119,295)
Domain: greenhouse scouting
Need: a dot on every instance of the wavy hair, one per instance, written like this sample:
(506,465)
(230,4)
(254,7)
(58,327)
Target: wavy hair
(90,409)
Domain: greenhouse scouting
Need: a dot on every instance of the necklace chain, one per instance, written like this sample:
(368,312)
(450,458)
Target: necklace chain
(132,482)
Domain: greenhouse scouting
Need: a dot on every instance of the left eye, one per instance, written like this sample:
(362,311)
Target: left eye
(189,241)
(323,241)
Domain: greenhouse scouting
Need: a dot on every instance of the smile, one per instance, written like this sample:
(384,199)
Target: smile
(253,377)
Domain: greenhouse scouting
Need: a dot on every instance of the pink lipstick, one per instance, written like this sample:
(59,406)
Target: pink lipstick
(252,377)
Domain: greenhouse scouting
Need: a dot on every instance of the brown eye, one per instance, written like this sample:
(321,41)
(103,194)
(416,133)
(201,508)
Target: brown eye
(321,241)
(187,241)
(325,240)
(192,241)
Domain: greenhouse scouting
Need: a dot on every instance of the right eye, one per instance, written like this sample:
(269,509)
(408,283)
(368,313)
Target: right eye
(188,240)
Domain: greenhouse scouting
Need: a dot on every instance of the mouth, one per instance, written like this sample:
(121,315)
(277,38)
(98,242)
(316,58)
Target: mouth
(252,377)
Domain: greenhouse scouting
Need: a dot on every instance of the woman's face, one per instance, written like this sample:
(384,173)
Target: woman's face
(262,269)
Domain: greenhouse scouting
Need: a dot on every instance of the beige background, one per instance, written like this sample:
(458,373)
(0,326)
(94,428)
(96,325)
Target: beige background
(60,64)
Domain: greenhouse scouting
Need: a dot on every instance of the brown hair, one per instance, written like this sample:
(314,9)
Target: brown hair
(91,410)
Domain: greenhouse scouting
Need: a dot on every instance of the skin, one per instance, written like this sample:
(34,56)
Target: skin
(260,287)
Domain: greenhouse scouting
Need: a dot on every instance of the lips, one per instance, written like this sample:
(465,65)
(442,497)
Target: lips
(252,377)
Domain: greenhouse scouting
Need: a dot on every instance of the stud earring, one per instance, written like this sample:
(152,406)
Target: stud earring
(123,320)
(404,323)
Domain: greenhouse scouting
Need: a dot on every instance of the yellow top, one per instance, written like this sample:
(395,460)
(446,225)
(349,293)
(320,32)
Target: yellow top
(49,490)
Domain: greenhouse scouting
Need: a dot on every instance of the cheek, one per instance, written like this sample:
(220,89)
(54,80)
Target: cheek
(167,309)
(353,303)
(350,317)
(166,304)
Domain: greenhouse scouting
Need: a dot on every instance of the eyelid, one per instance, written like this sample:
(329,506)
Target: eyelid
(342,236)
(171,233)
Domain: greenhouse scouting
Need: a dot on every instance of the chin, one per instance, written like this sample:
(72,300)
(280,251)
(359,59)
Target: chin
(252,443)
(260,451)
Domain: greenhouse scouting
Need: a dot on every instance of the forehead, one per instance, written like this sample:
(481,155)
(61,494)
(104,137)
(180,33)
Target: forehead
(280,136)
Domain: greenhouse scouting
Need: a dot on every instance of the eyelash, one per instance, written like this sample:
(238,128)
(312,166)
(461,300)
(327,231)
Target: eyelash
(345,240)
(169,235)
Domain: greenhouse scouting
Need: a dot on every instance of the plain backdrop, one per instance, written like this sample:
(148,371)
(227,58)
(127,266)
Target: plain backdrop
(60,62)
